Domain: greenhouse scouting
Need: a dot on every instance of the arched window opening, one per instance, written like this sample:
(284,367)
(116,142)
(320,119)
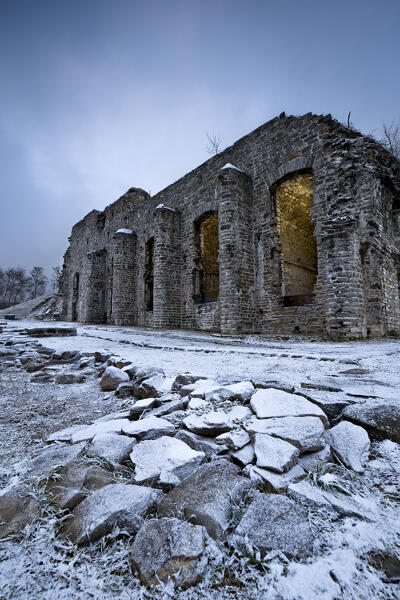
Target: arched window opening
(75,297)
(149,274)
(299,249)
(206,273)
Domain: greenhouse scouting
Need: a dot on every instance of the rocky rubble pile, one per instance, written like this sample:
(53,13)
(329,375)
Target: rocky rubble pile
(191,463)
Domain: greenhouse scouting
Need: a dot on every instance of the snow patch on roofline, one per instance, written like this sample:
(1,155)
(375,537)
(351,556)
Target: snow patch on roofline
(163,206)
(127,231)
(230,166)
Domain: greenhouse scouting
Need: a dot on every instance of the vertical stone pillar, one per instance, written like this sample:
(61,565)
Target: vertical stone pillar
(95,290)
(124,278)
(167,268)
(343,282)
(236,270)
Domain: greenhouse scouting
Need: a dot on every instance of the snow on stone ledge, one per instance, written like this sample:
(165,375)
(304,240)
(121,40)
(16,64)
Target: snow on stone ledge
(127,231)
(229,166)
(163,206)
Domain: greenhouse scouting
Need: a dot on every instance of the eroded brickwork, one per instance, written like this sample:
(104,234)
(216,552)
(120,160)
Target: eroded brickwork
(355,217)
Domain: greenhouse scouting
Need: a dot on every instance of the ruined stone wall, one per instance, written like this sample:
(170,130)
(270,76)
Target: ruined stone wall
(355,216)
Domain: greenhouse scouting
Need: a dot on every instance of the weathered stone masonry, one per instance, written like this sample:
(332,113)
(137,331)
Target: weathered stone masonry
(278,266)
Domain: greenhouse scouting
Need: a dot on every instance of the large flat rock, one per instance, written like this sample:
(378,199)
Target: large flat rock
(380,417)
(170,548)
(275,522)
(57,455)
(116,505)
(270,403)
(111,447)
(275,482)
(350,444)
(306,433)
(74,481)
(208,496)
(111,379)
(165,460)
(274,453)
(148,428)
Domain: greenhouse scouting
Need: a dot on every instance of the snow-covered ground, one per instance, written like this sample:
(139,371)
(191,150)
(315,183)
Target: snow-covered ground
(42,565)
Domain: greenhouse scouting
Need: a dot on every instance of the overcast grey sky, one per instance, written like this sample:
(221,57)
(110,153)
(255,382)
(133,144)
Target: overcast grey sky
(98,96)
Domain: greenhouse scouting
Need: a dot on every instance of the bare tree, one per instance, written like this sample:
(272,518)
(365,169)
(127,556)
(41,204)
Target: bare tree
(55,279)
(213,142)
(37,282)
(391,137)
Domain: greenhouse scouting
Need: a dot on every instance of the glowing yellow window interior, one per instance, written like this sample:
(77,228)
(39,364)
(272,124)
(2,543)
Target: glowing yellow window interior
(299,250)
(209,248)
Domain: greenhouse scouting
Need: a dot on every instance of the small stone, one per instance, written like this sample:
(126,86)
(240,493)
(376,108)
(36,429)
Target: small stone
(275,522)
(64,435)
(72,483)
(201,443)
(116,505)
(165,460)
(177,403)
(111,379)
(274,453)
(311,459)
(102,356)
(245,455)
(87,433)
(234,391)
(182,380)
(17,509)
(149,428)
(209,424)
(111,447)
(233,439)
(125,390)
(272,403)
(350,444)
(275,482)
(154,387)
(141,406)
(70,378)
(170,549)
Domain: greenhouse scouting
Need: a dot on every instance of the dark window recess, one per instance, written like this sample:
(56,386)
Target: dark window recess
(206,271)
(75,297)
(149,275)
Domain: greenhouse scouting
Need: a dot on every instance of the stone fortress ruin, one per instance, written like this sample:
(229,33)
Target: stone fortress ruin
(294,228)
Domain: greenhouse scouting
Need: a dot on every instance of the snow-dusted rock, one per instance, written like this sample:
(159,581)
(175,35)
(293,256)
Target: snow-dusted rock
(234,391)
(64,435)
(182,380)
(209,424)
(87,433)
(332,403)
(170,548)
(207,497)
(70,378)
(102,355)
(201,443)
(245,455)
(166,408)
(306,433)
(262,381)
(130,369)
(116,505)
(154,387)
(165,460)
(270,403)
(18,508)
(52,457)
(148,428)
(112,447)
(274,453)
(117,361)
(311,459)
(312,495)
(199,388)
(350,444)
(141,405)
(380,417)
(111,379)
(196,403)
(275,522)
(275,482)
(121,414)
(234,439)
(125,390)
(74,482)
